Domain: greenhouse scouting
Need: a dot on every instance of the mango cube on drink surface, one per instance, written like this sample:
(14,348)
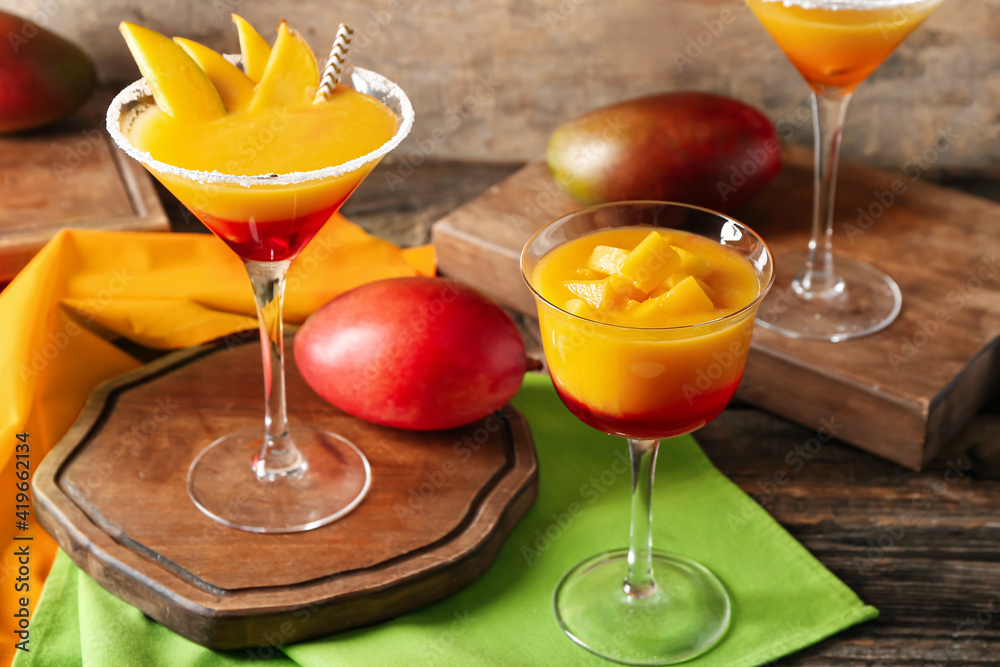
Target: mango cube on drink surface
(686,297)
(675,278)
(581,308)
(693,265)
(651,262)
(608,294)
(606,259)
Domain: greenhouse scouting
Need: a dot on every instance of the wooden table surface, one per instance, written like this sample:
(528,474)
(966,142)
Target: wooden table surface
(924,548)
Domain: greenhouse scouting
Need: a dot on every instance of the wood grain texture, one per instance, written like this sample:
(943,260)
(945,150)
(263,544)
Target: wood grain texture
(545,61)
(69,175)
(921,547)
(113,494)
(902,393)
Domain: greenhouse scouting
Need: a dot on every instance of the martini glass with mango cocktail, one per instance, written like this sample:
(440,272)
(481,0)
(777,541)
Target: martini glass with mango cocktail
(646,312)
(835,45)
(263,156)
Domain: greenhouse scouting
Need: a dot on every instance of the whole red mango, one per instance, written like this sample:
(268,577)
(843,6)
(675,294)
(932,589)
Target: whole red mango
(690,147)
(415,353)
(43,77)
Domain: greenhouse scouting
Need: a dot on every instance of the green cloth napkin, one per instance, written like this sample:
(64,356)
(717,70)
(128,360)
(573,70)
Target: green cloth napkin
(783,598)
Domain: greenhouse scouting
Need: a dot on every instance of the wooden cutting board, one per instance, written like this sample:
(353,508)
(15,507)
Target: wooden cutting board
(69,175)
(901,393)
(113,494)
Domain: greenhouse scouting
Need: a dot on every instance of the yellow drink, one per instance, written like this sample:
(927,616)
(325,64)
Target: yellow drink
(619,370)
(267,222)
(836,44)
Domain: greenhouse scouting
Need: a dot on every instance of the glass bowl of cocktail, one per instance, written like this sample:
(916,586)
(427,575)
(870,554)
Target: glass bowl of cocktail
(263,160)
(646,312)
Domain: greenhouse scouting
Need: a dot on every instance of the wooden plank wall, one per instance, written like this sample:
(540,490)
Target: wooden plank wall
(491,78)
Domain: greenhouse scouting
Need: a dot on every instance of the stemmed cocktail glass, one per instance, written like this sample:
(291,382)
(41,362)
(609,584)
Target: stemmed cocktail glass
(275,478)
(835,45)
(639,606)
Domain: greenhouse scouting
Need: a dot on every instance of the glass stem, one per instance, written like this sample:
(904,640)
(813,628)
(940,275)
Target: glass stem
(640,583)
(278,456)
(819,279)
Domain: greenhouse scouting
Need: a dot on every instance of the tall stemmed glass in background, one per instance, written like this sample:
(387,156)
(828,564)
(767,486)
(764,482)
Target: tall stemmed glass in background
(640,606)
(835,45)
(275,479)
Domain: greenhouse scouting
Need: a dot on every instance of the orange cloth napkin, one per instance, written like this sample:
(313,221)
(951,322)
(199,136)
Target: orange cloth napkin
(62,314)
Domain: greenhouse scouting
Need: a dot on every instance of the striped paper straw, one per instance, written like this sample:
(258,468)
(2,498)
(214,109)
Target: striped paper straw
(335,63)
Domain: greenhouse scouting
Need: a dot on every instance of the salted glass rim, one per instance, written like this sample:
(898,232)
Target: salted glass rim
(649,202)
(379,87)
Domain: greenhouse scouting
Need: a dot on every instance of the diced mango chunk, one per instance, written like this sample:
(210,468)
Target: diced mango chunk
(606,259)
(235,88)
(686,297)
(291,76)
(581,308)
(693,265)
(254,49)
(674,278)
(590,291)
(181,89)
(608,294)
(651,262)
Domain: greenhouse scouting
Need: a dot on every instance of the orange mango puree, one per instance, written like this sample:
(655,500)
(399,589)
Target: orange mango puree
(654,366)
(279,141)
(839,48)
(268,222)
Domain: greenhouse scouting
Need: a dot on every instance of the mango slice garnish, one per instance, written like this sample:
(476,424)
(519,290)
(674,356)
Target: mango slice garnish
(291,76)
(254,49)
(234,87)
(180,87)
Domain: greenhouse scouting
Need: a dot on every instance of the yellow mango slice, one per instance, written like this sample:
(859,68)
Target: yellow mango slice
(583,309)
(693,265)
(291,76)
(686,298)
(234,87)
(608,294)
(651,262)
(254,49)
(181,89)
(677,277)
(590,291)
(606,259)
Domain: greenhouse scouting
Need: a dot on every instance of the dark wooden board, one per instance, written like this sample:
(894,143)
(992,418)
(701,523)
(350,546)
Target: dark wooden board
(113,495)
(901,393)
(69,175)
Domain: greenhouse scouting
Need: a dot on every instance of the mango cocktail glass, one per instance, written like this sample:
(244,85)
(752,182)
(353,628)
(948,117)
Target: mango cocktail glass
(272,477)
(835,45)
(640,606)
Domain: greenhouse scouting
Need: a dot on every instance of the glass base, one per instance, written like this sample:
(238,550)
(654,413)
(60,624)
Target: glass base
(687,615)
(334,480)
(867,301)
